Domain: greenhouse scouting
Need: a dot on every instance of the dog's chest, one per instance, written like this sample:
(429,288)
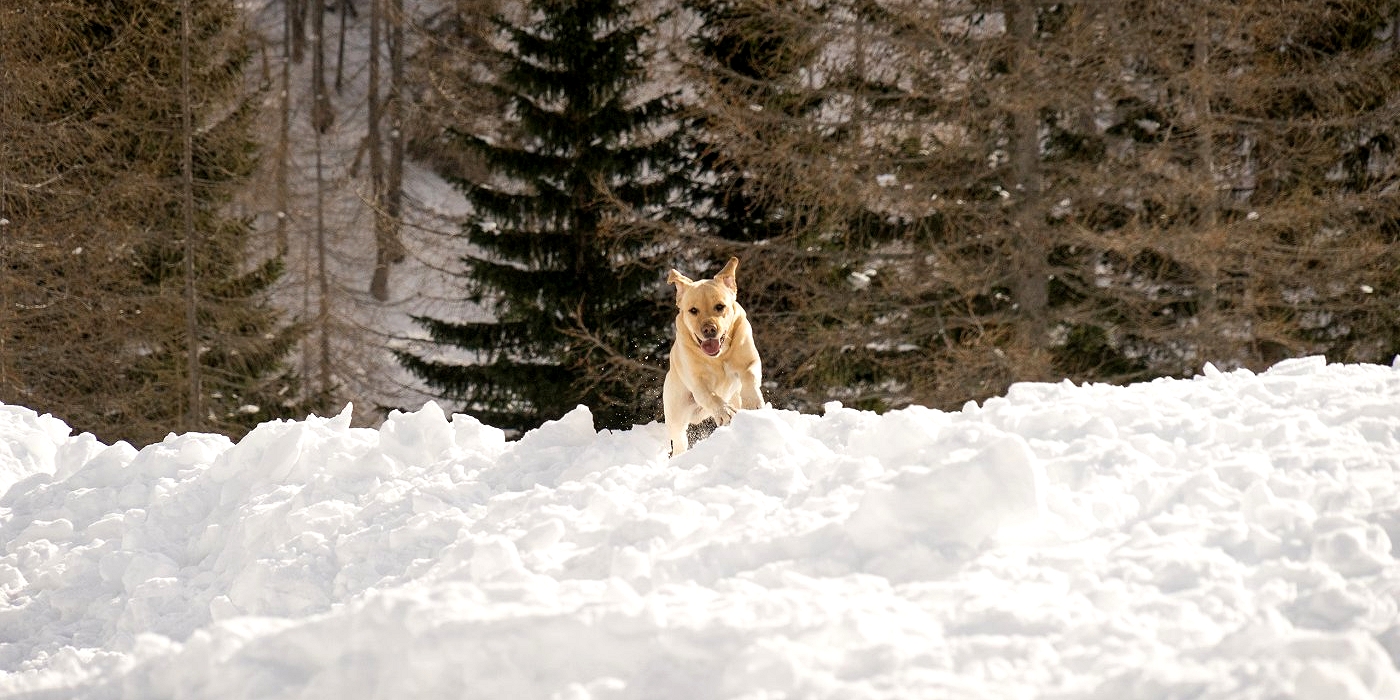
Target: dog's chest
(729,379)
(730,384)
(712,375)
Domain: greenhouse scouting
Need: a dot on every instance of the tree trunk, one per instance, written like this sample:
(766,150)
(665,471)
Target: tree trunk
(323,283)
(284,138)
(1030,273)
(193,412)
(340,47)
(1205,133)
(1209,237)
(296,26)
(321,120)
(379,283)
(394,176)
(321,115)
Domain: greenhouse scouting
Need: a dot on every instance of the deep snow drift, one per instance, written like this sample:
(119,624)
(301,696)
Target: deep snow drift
(1228,536)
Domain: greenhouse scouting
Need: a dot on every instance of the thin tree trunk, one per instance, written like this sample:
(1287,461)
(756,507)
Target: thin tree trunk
(388,184)
(321,120)
(1205,134)
(858,109)
(1031,275)
(340,49)
(193,410)
(321,115)
(308,363)
(379,282)
(323,310)
(394,177)
(6,309)
(284,138)
(296,25)
(1209,286)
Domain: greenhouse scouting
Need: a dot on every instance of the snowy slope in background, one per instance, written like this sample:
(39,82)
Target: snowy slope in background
(362,332)
(1224,537)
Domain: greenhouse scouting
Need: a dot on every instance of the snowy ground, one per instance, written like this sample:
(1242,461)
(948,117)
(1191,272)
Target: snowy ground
(1224,537)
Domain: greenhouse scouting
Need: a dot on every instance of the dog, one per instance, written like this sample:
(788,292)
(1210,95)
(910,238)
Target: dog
(714,367)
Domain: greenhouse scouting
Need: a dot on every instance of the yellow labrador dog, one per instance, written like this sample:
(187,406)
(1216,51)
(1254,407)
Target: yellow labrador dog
(715,369)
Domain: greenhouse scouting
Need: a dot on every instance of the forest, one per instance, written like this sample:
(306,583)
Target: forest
(215,213)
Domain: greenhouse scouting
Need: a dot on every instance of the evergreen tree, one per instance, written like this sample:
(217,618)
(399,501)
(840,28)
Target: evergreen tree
(580,173)
(93,284)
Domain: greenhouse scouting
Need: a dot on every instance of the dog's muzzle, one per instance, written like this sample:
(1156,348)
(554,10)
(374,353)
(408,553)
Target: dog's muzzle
(711,346)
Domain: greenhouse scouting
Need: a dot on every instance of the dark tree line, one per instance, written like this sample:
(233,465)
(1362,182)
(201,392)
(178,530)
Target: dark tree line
(935,200)
(932,200)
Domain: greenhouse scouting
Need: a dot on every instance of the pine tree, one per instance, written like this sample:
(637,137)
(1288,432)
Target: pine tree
(96,331)
(582,170)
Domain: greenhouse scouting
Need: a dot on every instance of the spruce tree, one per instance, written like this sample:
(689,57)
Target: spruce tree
(581,170)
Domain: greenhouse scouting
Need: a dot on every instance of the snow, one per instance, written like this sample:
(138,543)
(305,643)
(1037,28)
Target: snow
(1227,536)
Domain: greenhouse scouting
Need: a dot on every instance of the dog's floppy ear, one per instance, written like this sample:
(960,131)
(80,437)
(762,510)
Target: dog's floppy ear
(681,281)
(726,276)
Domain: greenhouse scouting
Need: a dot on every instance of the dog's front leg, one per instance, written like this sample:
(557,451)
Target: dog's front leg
(750,395)
(678,407)
(675,433)
(719,409)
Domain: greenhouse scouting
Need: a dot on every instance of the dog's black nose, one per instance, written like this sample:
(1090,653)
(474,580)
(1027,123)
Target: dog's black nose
(709,330)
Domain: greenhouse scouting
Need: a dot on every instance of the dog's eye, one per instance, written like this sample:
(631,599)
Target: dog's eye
(694,311)
(719,308)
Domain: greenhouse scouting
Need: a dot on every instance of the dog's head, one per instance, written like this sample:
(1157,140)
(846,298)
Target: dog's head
(708,309)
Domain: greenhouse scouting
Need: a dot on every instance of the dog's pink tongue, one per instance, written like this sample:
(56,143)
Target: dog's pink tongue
(711,347)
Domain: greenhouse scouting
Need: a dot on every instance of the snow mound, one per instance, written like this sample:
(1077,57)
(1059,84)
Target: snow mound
(1230,536)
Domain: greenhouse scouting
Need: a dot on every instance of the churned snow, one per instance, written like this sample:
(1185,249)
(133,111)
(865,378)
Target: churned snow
(1228,536)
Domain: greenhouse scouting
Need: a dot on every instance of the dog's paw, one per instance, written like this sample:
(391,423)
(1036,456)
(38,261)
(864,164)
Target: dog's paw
(724,414)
